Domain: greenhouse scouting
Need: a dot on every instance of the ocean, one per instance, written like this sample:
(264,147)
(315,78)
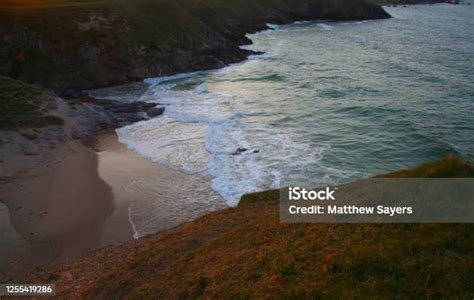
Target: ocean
(328,102)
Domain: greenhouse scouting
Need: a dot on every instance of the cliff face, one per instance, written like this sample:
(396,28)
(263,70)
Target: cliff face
(70,45)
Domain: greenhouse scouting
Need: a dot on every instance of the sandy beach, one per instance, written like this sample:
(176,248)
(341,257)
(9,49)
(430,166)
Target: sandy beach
(148,197)
(59,205)
(84,195)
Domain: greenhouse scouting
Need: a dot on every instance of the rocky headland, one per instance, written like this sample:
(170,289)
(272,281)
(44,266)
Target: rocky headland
(70,46)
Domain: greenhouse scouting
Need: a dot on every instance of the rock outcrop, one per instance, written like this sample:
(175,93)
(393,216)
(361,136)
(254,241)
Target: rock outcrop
(81,45)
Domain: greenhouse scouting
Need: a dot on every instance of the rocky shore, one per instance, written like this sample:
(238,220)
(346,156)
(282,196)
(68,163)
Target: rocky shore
(53,203)
(51,53)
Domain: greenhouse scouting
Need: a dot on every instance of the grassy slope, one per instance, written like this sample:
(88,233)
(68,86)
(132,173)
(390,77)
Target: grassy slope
(20,106)
(246,252)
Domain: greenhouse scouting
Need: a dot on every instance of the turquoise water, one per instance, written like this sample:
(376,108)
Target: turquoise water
(326,103)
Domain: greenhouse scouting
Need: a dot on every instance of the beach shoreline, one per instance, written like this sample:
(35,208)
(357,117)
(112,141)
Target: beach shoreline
(52,214)
(149,197)
(58,213)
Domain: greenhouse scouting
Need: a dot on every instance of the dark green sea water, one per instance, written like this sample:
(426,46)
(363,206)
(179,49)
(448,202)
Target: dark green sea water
(327,102)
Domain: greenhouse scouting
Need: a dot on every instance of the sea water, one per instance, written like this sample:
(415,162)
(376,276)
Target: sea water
(328,102)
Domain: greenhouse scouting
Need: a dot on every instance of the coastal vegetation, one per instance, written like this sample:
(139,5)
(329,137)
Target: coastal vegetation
(245,252)
(23,105)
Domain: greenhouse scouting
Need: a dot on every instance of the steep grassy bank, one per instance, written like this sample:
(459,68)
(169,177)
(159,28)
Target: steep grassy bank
(74,45)
(25,105)
(246,252)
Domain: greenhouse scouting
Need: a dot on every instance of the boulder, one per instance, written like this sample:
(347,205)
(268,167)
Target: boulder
(240,151)
(155,111)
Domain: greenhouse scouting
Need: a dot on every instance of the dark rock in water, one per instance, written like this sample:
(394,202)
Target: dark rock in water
(71,93)
(243,150)
(155,111)
(240,151)
(144,106)
(104,114)
(134,107)
(128,118)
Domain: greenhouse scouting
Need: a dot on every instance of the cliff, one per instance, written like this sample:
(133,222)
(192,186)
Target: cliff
(245,252)
(74,45)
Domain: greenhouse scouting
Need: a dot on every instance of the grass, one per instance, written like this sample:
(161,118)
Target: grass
(450,166)
(20,106)
(246,252)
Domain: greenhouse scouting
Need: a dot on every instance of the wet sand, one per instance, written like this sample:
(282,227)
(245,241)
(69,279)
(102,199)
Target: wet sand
(149,197)
(76,199)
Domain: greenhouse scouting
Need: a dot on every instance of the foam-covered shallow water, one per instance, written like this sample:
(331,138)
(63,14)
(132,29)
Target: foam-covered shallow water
(327,102)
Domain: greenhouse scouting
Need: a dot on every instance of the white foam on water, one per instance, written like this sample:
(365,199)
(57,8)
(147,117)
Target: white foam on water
(209,115)
(273,26)
(303,22)
(158,80)
(233,173)
(136,234)
(166,141)
(324,26)
(260,57)
(201,131)
(202,88)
